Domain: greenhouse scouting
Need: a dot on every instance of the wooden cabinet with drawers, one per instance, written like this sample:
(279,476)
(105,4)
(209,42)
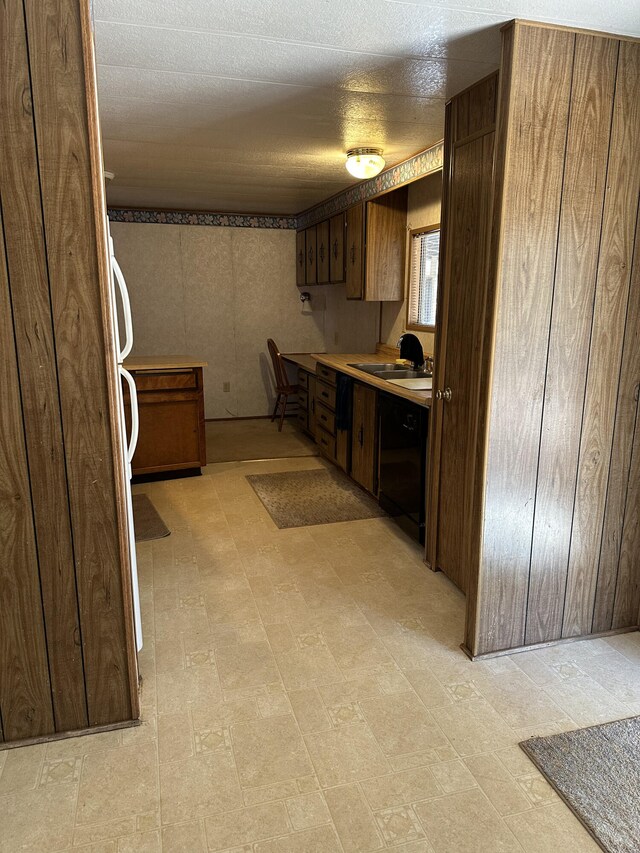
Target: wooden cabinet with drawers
(320,255)
(171,410)
(307,401)
(333,442)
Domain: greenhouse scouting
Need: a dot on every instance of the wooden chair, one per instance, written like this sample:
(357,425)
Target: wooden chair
(284,389)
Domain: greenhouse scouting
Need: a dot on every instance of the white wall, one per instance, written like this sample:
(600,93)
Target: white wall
(218,293)
(423,210)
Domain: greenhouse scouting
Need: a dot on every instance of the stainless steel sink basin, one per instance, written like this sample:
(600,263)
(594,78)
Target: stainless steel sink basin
(403,374)
(379,368)
(392,371)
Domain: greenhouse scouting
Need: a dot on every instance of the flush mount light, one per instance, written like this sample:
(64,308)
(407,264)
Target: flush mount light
(364,162)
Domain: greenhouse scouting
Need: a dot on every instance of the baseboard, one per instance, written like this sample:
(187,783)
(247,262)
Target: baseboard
(92,730)
(247,418)
(561,642)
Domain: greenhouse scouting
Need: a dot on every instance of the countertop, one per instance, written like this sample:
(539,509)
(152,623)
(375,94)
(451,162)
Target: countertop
(162,362)
(341,361)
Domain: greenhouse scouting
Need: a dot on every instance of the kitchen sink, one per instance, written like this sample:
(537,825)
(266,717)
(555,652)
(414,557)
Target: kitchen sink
(391,371)
(377,367)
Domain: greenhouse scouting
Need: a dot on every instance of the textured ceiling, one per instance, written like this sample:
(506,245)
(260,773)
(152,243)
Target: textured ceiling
(250,105)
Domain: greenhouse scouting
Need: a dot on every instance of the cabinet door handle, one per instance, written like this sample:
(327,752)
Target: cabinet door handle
(335,248)
(353,254)
(310,254)
(301,258)
(321,253)
(361,436)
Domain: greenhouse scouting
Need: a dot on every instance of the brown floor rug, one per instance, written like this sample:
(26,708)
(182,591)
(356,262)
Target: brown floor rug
(146,521)
(596,771)
(319,496)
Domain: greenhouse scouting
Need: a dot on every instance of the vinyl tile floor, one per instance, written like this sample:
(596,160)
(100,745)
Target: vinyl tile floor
(304,692)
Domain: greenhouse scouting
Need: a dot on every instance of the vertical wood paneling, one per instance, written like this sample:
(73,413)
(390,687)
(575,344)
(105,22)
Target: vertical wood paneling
(39,382)
(593,84)
(619,568)
(536,139)
(60,107)
(609,320)
(25,694)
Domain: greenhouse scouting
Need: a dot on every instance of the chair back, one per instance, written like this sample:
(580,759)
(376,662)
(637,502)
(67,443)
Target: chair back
(280,373)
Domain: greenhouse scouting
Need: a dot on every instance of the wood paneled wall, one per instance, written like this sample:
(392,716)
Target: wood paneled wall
(67,655)
(559,543)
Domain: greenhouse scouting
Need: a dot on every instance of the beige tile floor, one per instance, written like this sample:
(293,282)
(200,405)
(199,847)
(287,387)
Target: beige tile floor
(304,692)
(257,438)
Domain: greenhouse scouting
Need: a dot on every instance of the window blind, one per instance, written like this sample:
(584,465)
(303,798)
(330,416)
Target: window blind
(423,278)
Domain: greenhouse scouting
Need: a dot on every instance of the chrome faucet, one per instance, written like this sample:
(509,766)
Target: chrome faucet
(411,349)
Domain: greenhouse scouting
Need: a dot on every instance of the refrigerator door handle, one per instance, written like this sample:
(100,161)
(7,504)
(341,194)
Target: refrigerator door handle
(135,420)
(126,305)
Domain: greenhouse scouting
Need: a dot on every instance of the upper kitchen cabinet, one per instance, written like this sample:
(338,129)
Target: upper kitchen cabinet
(375,248)
(323,252)
(337,226)
(301,264)
(311,246)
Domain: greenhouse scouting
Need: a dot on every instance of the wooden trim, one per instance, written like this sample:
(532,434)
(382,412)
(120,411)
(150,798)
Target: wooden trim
(99,207)
(560,642)
(525,22)
(93,730)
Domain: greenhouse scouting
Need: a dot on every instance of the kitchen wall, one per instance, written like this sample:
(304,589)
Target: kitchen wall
(218,293)
(423,209)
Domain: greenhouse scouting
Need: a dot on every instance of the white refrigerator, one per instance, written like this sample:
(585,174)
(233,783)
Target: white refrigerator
(123,342)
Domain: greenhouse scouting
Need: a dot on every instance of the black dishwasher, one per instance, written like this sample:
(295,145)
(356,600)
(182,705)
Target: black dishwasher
(402,462)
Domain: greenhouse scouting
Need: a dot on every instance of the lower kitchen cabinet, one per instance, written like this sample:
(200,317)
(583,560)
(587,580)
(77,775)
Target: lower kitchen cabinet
(307,401)
(364,436)
(171,410)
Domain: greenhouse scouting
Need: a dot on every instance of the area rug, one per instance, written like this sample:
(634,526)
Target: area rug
(146,521)
(319,496)
(596,771)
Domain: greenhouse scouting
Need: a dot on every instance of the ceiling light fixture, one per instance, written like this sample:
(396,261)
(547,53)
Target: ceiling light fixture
(364,163)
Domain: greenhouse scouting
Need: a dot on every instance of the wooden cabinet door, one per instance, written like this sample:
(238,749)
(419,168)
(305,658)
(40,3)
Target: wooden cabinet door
(337,227)
(301,264)
(322,241)
(354,246)
(310,239)
(364,436)
(468,208)
(312,404)
(386,237)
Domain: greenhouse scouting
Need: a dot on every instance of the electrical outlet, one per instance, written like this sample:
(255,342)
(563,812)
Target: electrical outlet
(226,386)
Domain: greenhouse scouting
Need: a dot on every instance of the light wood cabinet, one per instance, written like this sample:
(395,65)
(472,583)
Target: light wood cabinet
(301,263)
(337,227)
(324,252)
(171,410)
(307,401)
(364,436)
(375,248)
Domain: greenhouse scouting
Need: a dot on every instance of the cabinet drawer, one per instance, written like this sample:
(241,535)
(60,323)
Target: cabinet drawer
(169,380)
(325,418)
(326,373)
(303,418)
(303,378)
(326,442)
(303,399)
(325,394)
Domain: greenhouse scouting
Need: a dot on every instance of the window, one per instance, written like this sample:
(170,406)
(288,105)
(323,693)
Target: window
(424,246)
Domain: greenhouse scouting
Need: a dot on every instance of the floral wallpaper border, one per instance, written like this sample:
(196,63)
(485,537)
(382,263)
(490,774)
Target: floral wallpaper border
(415,167)
(185,217)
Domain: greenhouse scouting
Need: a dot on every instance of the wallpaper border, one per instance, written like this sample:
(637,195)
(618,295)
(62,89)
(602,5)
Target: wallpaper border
(186,217)
(409,170)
